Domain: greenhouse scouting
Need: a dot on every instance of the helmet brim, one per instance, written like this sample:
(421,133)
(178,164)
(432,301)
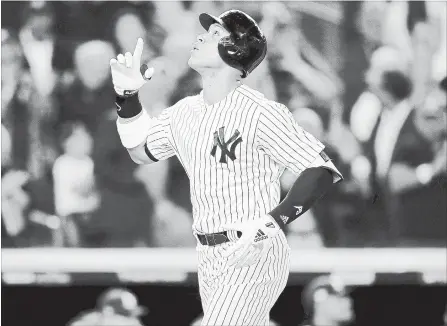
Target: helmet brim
(206,20)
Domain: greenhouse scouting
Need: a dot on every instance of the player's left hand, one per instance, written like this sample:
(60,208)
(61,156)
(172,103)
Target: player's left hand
(255,241)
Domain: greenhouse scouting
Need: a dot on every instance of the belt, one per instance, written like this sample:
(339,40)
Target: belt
(214,239)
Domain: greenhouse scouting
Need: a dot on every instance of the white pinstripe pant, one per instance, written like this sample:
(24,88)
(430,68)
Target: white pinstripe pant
(241,296)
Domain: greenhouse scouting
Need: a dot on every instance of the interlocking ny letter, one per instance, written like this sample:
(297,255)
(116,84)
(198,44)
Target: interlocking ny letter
(220,141)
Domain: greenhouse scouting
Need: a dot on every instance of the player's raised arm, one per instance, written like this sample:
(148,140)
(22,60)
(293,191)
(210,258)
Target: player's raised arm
(134,124)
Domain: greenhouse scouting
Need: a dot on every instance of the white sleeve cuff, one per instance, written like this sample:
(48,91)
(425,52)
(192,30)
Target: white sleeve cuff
(319,161)
(135,132)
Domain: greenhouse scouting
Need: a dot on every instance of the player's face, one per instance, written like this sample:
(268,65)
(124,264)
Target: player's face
(204,54)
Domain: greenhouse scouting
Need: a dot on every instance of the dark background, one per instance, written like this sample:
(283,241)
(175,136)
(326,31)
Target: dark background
(179,305)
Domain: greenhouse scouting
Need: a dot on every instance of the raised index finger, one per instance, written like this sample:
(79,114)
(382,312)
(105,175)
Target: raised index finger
(138,52)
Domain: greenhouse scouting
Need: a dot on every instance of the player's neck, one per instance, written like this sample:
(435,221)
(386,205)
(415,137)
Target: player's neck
(217,85)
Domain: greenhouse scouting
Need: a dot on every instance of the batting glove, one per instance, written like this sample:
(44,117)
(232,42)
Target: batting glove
(254,243)
(128,75)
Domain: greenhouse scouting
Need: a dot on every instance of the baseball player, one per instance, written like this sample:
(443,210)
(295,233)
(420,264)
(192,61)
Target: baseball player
(234,145)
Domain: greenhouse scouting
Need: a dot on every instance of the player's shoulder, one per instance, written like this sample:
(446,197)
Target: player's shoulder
(185,103)
(262,103)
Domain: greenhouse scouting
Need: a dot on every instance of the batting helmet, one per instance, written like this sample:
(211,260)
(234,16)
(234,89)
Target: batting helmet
(245,47)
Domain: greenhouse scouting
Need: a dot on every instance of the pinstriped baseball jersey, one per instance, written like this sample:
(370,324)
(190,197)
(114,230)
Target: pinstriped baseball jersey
(233,152)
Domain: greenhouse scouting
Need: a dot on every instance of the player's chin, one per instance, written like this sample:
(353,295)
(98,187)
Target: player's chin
(191,62)
(194,62)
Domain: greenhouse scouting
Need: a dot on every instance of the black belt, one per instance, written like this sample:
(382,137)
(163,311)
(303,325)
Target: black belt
(214,239)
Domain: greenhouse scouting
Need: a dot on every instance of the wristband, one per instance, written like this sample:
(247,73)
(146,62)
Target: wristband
(128,106)
(133,133)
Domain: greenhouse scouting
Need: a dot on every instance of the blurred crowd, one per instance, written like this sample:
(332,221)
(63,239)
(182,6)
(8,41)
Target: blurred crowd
(366,78)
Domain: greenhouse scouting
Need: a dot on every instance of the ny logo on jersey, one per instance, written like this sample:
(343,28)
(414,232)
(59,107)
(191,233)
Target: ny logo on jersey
(220,141)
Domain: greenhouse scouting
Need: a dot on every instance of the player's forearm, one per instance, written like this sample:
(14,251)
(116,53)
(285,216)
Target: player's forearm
(133,125)
(311,185)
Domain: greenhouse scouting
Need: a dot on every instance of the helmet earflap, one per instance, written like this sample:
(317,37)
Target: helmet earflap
(233,50)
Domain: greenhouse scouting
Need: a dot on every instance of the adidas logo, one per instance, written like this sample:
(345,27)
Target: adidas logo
(260,236)
(299,209)
(284,218)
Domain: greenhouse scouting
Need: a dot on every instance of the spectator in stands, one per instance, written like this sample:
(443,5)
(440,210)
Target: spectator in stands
(115,307)
(47,58)
(46,55)
(418,29)
(418,173)
(326,302)
(369,105)
(390,88)
(14,198)
(15,94)
(75,191)
(90,95)
(23,223)
(28,117)
(124,218)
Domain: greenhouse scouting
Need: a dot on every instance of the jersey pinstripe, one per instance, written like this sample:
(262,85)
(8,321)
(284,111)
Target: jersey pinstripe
(233,152)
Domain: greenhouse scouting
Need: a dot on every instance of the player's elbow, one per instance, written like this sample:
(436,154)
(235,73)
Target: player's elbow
(137,160)
(139,156)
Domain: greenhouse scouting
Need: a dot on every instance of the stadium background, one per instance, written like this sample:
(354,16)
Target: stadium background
(71,230)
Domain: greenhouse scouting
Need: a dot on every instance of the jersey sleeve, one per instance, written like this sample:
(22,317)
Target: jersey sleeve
(158,143)
(283,140)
